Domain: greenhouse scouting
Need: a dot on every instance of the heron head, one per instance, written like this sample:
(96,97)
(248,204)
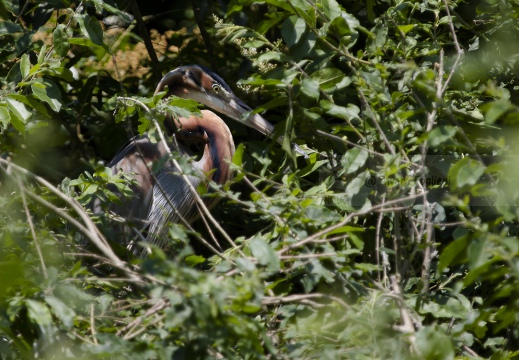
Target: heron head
(205,86)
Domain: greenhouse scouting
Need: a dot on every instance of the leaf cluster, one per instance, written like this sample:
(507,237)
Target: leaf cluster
(396,238)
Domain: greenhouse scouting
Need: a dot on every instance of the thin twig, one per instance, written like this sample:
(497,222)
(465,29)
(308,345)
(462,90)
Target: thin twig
(397,240)
(205,35)
(301,298)
(346,220)
(31,226)
(470,351)
(155,64)
(158,306)
(308,256)
(22,11)
(408,325)
(375,123)
(92,323)
(337,138)
(279,221)
(89,230)
(459,50)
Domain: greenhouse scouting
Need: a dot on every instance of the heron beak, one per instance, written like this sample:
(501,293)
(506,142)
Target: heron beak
(241,112)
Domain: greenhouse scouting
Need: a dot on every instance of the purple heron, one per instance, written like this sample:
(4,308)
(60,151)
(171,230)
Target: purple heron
(164,196)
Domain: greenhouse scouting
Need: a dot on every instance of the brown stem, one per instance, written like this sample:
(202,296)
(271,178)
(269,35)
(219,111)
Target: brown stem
(155,65)
(205,35)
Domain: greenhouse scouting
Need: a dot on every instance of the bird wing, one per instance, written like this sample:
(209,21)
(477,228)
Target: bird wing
(133,159)
(172,202)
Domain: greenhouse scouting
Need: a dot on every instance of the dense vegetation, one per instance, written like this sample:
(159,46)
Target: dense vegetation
(396,238)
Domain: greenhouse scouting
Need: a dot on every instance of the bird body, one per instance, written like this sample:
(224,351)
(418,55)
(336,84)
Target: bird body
(172,199)
(164,197)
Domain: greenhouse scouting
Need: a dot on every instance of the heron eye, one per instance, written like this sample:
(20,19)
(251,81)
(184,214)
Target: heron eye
(216,88)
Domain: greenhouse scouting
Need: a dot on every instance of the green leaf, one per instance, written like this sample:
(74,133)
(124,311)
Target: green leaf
(433,344)
(292,30)
(454,253)
(9,28)
(354,159)
(264,253)
(18,109)
(62,311)
(405,28)
(42,53)
(5,117)
(25,66)
(61,43)
(465,172)
(331,9)
(17,123)
(237,159)
(104,5)
(349,113)
(330,77)
(270,56)
(85,42)
(194,260)
(312,166)
(91,28)
(495,109)
(47,91)
(476,252)
(441,134)
(38,312)
(357,191)
(340,29)
(446,307)
(310,88)
(31,102)
(315,272)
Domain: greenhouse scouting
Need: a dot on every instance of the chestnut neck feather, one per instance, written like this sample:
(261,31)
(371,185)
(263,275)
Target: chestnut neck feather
(219,145)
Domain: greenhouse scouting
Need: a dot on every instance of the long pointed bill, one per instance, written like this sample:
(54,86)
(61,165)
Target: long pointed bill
(237,110)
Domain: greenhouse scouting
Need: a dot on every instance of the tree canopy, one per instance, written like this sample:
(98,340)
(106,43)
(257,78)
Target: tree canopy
(396,238)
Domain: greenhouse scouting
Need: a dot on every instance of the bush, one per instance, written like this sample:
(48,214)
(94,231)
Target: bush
(395,238)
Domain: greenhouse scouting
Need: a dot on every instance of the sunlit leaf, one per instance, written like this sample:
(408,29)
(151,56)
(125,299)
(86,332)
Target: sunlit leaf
(61,43)
(25,66)
(194,260)
(18,109)
(47,91)
(405,28)
(5,117)
(104,5)
(39,313)
(292,30)
(264,253)
(237,159)
(310,88)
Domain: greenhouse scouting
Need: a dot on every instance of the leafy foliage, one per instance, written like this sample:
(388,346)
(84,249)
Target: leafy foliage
(396,238)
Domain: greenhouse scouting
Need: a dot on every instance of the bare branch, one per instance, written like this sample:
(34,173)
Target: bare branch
(31,226)
(91,231)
